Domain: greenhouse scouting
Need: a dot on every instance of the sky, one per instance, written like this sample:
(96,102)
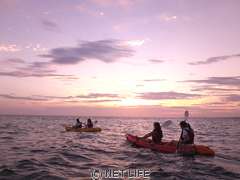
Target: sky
(150,58)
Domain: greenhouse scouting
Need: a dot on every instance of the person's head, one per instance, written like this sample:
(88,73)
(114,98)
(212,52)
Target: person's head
(89,120)
(186,114)
(78,120)
(156,126)
(183,124)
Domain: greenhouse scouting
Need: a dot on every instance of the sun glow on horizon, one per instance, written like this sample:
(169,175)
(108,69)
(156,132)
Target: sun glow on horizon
(96,57)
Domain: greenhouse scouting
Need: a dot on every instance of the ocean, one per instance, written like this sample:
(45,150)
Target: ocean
(37,147)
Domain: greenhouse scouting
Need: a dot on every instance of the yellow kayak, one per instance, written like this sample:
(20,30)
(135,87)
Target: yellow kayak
(72,129)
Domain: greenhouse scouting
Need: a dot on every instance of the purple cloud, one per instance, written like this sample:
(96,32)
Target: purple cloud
(233,97)
(54,97)
(225,81)
(35,69)
(212,88)
(98,95)
(49,25)
(11,61)
(166,95)
(156,60)
(214,59)
(7,96)
(103,50)
(91,98)
(87,96)
(24,74)
(106,51)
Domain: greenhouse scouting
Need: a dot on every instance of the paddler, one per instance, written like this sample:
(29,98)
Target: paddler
(89,123)
(78,124)
(187,134)
(156,134)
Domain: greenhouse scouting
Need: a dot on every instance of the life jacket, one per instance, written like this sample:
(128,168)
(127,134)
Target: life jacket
(157,136)
(190,135)
(78,125)
(89,125)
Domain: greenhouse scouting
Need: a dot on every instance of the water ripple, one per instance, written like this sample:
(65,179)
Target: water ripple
(37,147)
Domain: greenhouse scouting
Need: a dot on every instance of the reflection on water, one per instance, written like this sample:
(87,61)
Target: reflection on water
(35,147)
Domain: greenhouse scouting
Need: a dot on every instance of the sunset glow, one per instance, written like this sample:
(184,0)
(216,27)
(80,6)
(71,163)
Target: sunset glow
(120,57)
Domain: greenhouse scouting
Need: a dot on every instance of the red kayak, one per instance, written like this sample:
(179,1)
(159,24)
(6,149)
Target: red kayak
(171,147)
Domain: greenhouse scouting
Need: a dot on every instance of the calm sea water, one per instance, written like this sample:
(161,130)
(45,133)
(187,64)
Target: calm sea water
(37,147)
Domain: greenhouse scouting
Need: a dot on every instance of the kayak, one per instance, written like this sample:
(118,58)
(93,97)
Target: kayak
(73,129)
(171,147)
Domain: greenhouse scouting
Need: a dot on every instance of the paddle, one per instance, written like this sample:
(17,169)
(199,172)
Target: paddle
(186,115)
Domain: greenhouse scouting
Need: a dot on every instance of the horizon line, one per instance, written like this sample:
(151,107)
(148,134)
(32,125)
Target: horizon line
(148,117)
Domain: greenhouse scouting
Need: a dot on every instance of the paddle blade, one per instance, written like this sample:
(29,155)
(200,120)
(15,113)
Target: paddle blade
(186,115)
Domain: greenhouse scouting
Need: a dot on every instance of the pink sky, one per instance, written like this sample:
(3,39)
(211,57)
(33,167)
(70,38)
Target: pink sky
(120,57)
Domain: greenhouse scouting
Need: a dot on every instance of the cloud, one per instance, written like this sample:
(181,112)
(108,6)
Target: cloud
(87,96)
(156,60)
(233,98)
(214,89)
(225,81)
(23,74)
(39,65)
(107,51)
(166,95)
(7,96)
(98,95)
(35,47)
(102,100)
(215,59)
(70,78)
(215,104)
(137,42)
(91,97)
(19,68)
(118,3)
(54,97)
(49,25)
(167,18)
(9,48)
(12,61)
(153,80)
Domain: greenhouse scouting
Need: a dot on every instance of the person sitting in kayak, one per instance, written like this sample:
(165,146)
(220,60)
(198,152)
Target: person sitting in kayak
(78,124)
(89,123)
(187,134)
(156,133)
